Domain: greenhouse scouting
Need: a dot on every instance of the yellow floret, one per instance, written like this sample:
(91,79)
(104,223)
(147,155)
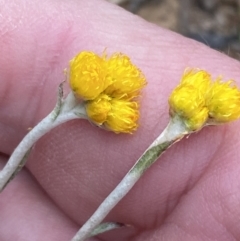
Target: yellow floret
(188,99)
(200,79)
(98,109)
(120,116)
(123,116)
(197,121)
(127,80)
(189,103)
(88,75)
(223,101)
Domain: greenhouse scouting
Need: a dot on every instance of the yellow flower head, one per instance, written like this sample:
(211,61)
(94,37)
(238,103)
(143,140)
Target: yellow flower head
(188,99)
(98,109)
(200,79)
(223,101)
(114,114)
(108,87)
(123,116)
(88,75)
(127,80)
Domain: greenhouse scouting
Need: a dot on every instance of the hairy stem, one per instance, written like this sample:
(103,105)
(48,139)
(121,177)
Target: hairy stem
(55,118)
(105,227)
(172,133)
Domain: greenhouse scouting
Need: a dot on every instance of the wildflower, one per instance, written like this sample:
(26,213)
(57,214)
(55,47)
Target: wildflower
(127,80)
(98,109)
(123,116)
(223,101)
(200,79)
(108,87)
(114,114)
(88,75)
(188,99)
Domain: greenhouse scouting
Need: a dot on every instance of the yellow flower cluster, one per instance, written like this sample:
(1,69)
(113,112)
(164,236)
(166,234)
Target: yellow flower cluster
(199,100)
(108,86)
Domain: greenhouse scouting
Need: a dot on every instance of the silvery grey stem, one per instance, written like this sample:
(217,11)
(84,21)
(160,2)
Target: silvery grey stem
(55,118)
(104,227)
(172,133)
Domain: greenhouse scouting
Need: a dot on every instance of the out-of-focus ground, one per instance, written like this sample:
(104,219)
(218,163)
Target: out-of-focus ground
(213,22)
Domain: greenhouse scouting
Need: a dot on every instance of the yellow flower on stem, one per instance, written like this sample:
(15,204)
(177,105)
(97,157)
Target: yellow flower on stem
(223,102)
(199,100)
(188,99)
(108,87)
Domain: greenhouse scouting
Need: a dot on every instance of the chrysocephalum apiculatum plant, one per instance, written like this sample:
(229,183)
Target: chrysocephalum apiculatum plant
(105,91)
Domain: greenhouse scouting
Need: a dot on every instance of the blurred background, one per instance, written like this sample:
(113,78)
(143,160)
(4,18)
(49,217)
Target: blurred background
(215,23)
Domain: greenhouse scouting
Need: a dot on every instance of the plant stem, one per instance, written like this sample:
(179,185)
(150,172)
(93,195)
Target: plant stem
(105,227)
(171,134)
(55,118)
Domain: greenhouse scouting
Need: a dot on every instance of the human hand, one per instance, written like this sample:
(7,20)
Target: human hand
(191,193)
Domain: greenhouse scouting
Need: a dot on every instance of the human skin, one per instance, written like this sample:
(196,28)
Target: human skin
(190,193)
